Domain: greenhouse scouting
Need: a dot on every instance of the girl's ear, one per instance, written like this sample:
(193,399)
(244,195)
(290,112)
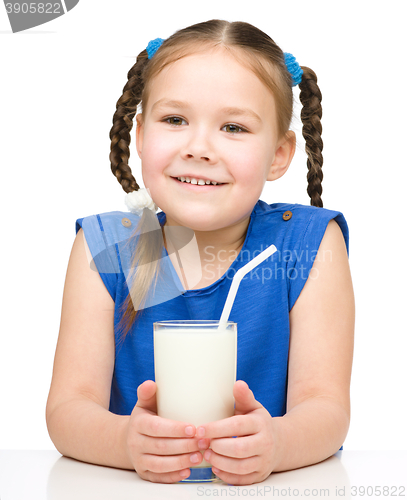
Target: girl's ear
(139,134)
(283,156)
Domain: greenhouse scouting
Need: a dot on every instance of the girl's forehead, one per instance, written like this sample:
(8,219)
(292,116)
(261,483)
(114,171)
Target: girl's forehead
(216,59)
(212,73)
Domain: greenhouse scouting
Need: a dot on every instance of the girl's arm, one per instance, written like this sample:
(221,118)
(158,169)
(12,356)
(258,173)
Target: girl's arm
(78,419)
(320,359)
(318,403)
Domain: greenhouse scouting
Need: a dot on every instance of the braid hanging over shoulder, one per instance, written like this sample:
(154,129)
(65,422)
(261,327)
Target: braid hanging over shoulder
(126,109)
(145,262)
(311,114)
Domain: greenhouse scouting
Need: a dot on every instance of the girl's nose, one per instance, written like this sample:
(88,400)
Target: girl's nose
(199,147)
(206,158)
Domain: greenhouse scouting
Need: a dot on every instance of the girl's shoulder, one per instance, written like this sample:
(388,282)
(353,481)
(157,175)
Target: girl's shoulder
(302,212)
(115,223)
(297,232)
(299,223)
(107,236)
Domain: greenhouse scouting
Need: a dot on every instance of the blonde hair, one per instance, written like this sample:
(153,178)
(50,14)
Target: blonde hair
(251,47)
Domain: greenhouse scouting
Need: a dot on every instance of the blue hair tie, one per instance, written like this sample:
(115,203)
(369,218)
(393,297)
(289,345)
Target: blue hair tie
(153,46)
(293,68)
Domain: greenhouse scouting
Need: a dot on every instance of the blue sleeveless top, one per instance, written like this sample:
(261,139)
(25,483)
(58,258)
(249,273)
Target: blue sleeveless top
(261,308)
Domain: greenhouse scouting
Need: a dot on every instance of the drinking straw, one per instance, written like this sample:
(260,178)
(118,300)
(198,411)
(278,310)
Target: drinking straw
(238,278)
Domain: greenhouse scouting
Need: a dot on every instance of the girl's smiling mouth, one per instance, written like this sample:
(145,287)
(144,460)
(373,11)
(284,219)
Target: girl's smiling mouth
(197,181)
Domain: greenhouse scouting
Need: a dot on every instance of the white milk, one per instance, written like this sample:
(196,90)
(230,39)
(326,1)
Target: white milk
(195,369)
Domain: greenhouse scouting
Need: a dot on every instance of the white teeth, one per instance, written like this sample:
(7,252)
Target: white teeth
(195,181)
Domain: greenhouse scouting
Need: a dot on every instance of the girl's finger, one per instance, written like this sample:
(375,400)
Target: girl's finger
(240,447)
(245,402)
(237,480)
(161,464)
(238,425)
(241,467)
(152,425)
(167,478)
(146,396)
(167,446)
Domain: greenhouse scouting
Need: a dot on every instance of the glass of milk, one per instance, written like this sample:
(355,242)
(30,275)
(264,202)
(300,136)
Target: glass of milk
(195,370)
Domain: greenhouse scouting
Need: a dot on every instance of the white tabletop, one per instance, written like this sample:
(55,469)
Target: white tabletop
(46,475)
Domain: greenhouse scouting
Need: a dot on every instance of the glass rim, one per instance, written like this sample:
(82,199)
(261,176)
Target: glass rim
(195,322)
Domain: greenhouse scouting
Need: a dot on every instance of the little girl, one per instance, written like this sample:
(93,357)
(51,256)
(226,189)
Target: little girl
(213,128)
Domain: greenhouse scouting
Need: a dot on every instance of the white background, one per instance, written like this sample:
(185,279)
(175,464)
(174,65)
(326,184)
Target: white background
(59,87)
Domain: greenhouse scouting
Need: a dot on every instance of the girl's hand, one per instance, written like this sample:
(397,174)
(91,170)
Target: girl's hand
(250,456)
(160,450)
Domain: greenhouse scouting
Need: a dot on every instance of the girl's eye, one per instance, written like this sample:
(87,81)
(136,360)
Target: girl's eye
(231,128)
(175,120)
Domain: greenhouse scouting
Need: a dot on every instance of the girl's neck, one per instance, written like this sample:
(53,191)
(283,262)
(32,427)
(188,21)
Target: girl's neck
(216,252)
(220,240)
(230,239)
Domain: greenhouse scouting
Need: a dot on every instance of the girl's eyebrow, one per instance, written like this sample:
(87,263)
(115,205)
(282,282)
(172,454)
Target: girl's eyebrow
(169,103)
(229,111)
(244,112)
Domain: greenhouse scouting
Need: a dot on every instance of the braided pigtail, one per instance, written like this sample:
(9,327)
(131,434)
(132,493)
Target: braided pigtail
(145,262)
(310,97)
(126,109)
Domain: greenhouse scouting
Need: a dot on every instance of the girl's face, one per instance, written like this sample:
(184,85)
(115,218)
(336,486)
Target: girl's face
(209,118)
